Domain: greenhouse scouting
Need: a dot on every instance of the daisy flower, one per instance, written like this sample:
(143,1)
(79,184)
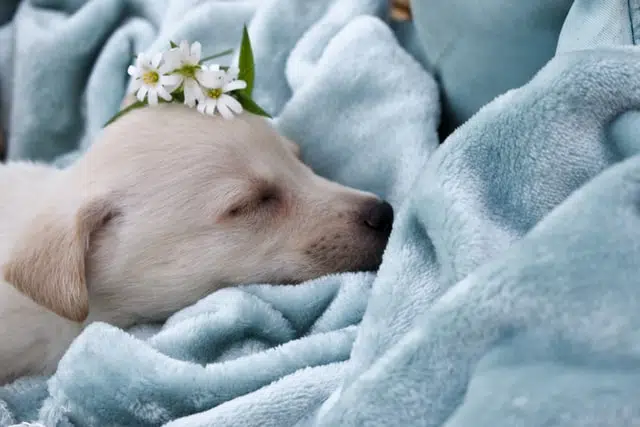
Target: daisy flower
(185,61)
(150,79)
(218,83)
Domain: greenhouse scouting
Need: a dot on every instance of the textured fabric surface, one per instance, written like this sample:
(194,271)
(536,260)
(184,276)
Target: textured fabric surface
(508,293)
(480,49)
(591,24)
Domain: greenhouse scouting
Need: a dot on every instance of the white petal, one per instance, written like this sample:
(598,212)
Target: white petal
(211,79)
(171,61)
(232,103)
(191,84)
(234,85)
(201,107)
(153,96)
(232,73)
(135,85)
(141,60)
(210,108)
(213,67)
(171,80)
(172,89)
(189,102)
(233,70)
(157,58)
(162,92)
(133,71)
(196,52)
(142,93)
(202,74)
(192,93)
(184,49)
(224,110)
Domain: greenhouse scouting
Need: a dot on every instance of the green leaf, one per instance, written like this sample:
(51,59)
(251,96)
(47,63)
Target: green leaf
(125,110)
(249,104)
(172,44)
(217,55)
(177,95)
(245,62)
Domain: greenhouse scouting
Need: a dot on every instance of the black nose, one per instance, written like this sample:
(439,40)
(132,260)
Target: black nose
(380,216)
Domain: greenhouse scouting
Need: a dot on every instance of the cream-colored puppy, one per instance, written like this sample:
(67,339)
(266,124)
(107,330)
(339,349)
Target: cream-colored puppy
(167,206)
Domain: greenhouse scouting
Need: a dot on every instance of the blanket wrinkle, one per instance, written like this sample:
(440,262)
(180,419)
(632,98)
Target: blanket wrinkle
(159,385)
(535,163)
(507,294)
(516,300)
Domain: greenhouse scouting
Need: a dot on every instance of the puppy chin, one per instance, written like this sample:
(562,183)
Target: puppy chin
(326,257)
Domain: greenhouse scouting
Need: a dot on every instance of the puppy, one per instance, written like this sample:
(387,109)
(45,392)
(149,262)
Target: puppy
(167,206)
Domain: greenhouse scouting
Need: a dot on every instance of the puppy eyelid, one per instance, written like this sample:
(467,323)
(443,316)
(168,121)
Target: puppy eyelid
(265,199)
(268,196)
(235,211)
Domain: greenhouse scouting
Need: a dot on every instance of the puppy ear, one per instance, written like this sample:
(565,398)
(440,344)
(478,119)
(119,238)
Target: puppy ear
(48,263)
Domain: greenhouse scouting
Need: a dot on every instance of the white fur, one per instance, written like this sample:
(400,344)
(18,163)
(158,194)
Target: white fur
(166,181)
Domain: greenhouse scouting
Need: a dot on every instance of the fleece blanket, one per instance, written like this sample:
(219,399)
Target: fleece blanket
(508,294)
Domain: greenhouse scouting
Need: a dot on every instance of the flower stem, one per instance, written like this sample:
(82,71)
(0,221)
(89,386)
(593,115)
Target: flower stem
(217,55)
(125,110)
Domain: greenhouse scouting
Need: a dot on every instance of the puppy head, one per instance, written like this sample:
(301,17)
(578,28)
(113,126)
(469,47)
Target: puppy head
(201,203)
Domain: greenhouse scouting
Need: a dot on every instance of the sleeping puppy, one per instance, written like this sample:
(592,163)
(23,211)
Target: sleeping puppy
(167,206)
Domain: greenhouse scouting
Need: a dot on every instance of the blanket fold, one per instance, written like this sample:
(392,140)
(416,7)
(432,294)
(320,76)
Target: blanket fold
(507,294)
(492,181)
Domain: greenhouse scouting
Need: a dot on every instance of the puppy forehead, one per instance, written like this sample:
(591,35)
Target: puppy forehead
(245,138)
(175,137)
(244,147)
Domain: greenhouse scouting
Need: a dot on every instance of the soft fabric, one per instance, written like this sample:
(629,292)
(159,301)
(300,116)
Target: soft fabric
(480,49)
(508,294)
(592,24)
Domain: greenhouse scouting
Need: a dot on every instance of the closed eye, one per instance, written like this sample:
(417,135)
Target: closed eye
(265,200)
(268,197)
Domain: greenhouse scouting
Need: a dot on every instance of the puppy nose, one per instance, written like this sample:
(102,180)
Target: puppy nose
(380,216)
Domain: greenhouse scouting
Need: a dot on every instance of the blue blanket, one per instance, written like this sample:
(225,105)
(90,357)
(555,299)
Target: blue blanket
(509,291)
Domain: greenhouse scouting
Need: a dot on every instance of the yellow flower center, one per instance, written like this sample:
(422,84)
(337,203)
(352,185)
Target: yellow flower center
(188,71)
(150,77)
(215,93)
